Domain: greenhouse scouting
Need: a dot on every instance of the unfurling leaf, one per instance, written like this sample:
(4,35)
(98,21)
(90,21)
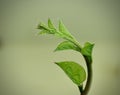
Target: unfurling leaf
(50,24)
(43,32)
(74,71)
(64,30)
(43,27)
(87,49)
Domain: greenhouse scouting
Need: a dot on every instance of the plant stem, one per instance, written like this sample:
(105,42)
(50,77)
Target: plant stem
(89,77)
(80,88)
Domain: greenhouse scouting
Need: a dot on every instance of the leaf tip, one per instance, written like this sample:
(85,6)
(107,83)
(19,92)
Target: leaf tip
(54,50)
(56,63)
(60,21)
(38,26)
(49,20)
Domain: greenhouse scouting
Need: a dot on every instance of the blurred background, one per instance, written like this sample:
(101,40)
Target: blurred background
(26,58)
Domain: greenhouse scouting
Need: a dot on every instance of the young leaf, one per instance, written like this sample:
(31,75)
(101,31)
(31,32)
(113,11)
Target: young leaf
(64,30)
(66,45)
(43,27)
(87,49)
(74,71)
(50,24)
(43,32)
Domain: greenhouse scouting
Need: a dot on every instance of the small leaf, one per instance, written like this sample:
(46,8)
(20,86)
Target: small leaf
(43,32)
(43,27)
(47,32)
(74,71)
(87,49)
(50,24)
(64,30)
(66,45)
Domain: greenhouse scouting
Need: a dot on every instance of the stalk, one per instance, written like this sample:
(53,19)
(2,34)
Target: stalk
(89,78)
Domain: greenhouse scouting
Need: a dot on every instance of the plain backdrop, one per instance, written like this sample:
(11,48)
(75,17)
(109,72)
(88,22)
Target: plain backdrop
(27,59)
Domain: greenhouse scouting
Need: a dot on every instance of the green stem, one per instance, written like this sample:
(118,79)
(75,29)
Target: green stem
(89,78)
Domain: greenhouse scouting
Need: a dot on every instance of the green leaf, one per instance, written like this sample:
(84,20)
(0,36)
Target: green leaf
(43,27)
(50,24)
(87,49)
(64,30)
(43,32)
(74,71)
(66,45)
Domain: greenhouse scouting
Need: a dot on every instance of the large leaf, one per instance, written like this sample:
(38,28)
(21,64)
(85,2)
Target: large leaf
(74,71)
(67,45)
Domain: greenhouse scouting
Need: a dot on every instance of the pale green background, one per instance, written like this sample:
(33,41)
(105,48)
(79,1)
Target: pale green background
(26,59)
